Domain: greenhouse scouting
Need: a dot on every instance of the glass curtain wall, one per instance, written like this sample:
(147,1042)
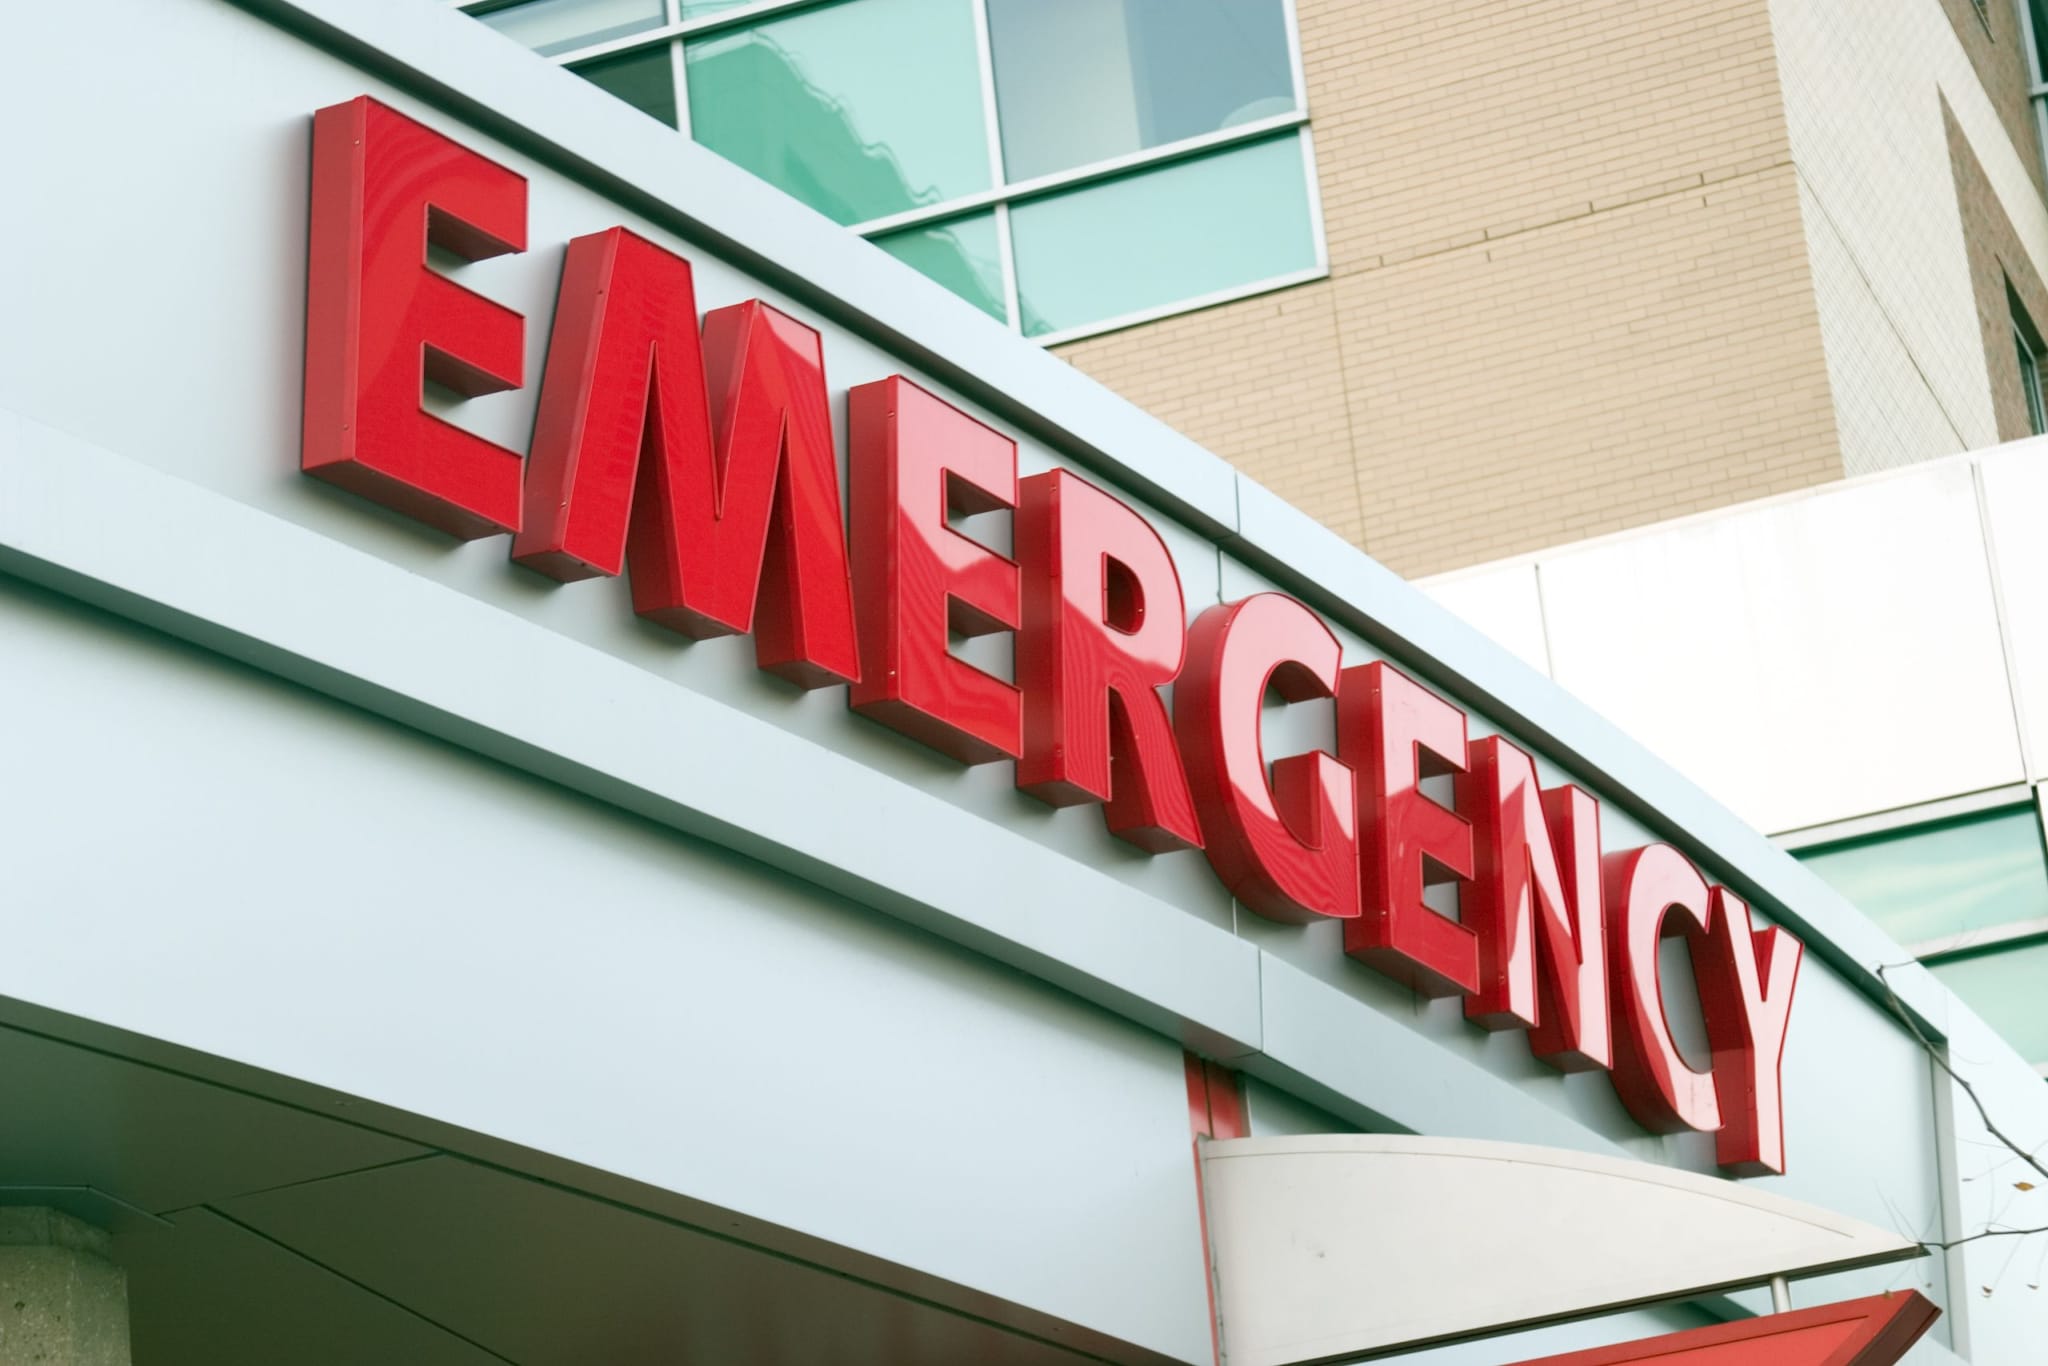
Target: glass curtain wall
(1968,896)
(1067,166)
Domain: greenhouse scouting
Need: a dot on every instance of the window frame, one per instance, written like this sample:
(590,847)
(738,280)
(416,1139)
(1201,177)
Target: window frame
(1915,821)
(1981,943)
(1971,943)
(676,30)
(1900,819)
(2029,353)
(2037,77)
(2030,380)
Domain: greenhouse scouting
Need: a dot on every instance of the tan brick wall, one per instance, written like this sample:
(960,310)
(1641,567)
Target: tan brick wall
(1260,382)
(1655,360)
(1568,285)
(1998,264)
(1864,88)
(1992,39)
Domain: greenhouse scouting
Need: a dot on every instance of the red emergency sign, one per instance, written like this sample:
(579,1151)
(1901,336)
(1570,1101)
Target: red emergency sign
(699,458)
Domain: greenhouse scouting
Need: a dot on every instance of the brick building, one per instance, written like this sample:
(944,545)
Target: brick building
(1566,267)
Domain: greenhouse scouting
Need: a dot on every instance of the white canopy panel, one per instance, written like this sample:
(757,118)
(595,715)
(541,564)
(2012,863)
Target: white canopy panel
(1335,1245)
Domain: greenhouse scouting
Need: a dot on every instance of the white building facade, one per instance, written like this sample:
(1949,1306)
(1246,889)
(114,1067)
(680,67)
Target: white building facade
(1876,699)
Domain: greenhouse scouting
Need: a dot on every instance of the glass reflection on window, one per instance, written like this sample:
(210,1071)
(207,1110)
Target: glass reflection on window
(1080,81)
(644,79)
(870,109)
(861,109)
(2004,988)
(961,254)
(1944,878)
(1162,236)
(552,26)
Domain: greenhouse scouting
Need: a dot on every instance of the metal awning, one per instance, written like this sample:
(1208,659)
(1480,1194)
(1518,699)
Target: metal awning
(1338,1245)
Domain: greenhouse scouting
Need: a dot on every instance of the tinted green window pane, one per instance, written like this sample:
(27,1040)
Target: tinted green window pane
(961,255)
(643,79)
(551,26)
(1937,880)
(697,9)
(2030,384)
(2010,990)
(1083,80)
(1162,237)
(860,109)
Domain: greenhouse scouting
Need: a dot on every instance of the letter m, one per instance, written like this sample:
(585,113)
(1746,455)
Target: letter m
(707,467)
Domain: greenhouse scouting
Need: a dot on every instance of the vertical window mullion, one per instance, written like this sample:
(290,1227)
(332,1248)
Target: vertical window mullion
(2040,805)
(1007,253)
(1294,59)
(2041,125)
(2030,40)
(998,174)
(672,13)
(985,54)
(2030,379)
(1315,197)
(679,72)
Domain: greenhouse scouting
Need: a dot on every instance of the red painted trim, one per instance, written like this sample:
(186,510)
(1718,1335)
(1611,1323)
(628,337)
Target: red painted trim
(1198,1095)
(1874,1331)
(1226,1103)
(1215,1110)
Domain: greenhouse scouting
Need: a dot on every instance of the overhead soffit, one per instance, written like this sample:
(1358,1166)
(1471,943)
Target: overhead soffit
(255,1231)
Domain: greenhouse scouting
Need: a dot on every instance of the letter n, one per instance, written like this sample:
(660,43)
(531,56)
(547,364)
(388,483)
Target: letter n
(1535,903)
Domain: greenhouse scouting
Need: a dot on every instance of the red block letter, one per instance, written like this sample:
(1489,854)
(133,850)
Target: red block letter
(1105,627)
(1746,982)
(1290,852)
(1386,722)
(915,458)
(1656,1084)
(1534,902)
(378,321)
(739,503)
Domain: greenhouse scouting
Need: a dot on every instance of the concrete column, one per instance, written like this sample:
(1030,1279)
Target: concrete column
(63,1299)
